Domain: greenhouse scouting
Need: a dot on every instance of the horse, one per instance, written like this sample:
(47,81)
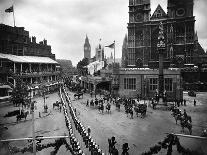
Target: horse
(129,111)
(91,103)
(78,95)
(56,104)
(186,124)
(22,115)
(108,108)
(178,117)
(141,108)
(96,102)
(101,108)
(188,118)
(175,111)
(118,105)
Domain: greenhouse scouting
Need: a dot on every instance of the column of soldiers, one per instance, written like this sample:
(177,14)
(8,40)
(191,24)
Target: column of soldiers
(89,142)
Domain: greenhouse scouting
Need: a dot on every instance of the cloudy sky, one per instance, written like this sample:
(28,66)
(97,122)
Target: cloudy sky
(65,23)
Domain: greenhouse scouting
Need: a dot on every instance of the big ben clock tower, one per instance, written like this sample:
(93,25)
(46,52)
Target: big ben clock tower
(87,48)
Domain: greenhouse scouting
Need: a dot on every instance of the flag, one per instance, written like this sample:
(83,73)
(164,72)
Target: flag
(11,9)
(111,46)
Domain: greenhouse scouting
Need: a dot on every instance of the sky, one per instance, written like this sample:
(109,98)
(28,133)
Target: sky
(65,23)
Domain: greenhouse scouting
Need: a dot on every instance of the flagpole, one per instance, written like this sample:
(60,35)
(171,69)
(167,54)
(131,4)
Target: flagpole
(114,52)
(13,15)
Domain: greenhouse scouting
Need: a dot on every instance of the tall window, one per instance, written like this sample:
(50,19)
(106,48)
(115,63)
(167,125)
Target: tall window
(130,83)
(168,84)
(153,82)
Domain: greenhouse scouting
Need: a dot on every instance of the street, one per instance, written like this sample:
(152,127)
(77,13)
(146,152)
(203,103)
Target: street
(140,133)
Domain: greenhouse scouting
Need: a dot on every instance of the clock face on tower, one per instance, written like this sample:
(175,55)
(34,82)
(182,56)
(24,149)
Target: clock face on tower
(180,12)
(138,17)
(85,48)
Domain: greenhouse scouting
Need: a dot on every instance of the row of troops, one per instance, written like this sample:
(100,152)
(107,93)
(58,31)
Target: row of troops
(89,142)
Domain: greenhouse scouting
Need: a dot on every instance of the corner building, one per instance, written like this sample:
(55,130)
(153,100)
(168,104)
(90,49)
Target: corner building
(21,56)
(143,32)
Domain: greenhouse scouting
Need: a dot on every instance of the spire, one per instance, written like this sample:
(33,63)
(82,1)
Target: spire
(86,40)
(196,36)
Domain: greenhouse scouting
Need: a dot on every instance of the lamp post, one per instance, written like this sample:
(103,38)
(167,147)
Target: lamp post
(161,47)
(33,121)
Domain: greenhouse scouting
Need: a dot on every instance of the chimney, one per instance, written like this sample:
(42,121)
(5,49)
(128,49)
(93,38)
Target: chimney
(34,39)
(45,42)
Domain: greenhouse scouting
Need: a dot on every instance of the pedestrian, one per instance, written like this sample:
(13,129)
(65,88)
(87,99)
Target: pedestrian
(60,107)
(125,149)
(113,142)
(39,114)
(75,111)
(184,102)
(194,102)
(181,102)
(89,130)
(87,103)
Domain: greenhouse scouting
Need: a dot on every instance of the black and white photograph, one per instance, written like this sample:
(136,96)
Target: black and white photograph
(103,77)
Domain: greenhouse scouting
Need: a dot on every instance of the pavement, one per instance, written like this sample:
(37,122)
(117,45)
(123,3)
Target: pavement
(50,124)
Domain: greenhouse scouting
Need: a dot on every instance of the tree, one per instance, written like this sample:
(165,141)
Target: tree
(81,66)
(20,93)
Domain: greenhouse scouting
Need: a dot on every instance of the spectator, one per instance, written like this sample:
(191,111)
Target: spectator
(194,102)
(184,102)
(87,103)
(125,149)
(89,130)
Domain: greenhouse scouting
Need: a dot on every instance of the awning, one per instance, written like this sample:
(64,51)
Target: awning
(28,59)
(5,87)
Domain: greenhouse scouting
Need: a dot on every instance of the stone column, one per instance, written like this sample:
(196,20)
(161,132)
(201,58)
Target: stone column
(21,68)
(30,68)
(14,67)
(161,47)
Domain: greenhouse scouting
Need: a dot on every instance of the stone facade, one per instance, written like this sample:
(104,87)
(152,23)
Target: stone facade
(143,32)
(144,83)
(16,41)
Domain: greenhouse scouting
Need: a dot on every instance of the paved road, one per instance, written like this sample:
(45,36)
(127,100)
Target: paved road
(139,133)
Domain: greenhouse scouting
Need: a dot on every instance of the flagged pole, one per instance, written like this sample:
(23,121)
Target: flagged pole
(13,15)
(114,52)
(9,10)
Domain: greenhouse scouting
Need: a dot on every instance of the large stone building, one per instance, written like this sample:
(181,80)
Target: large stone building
(16,41)
(22,57)
(179,23)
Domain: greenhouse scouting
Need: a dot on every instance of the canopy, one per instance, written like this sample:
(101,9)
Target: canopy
(28,59)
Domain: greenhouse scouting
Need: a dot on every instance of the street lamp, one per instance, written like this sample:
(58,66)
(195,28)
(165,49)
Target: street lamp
(45,105)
